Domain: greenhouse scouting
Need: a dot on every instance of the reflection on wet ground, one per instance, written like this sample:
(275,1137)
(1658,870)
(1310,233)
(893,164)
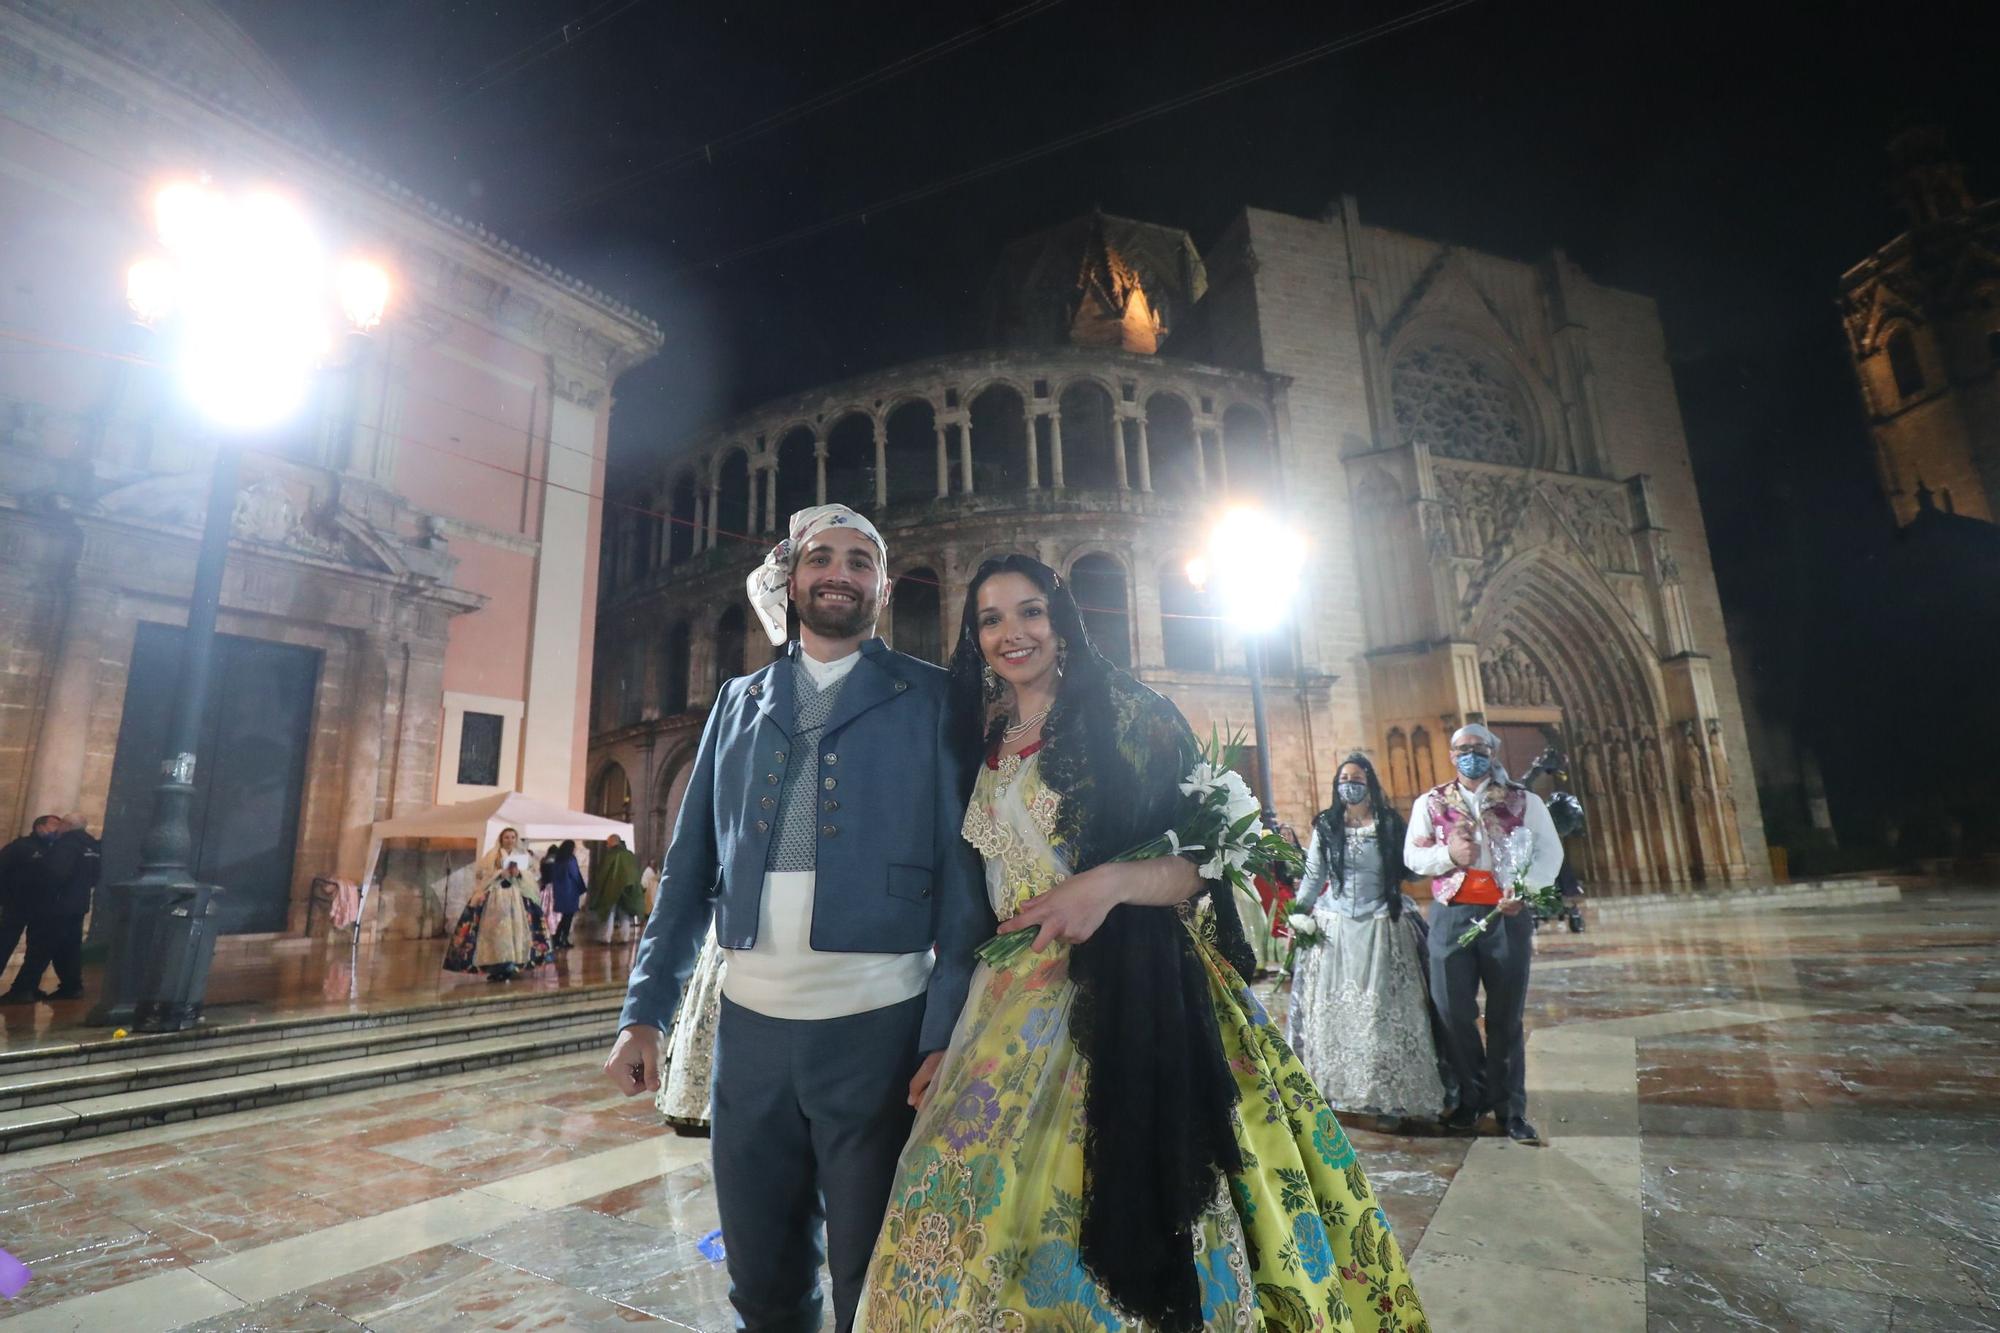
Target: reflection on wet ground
(1788,1120)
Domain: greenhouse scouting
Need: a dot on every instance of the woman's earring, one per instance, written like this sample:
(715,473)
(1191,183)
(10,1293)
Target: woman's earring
(1062,657)
(990,680)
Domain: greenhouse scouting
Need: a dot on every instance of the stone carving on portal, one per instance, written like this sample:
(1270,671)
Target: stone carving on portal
(1512,679)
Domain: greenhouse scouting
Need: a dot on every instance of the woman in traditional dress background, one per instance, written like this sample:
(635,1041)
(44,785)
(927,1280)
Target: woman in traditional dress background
(565,881)
(690,1070)
(500,932)
(1359,1020)
(1116,1138)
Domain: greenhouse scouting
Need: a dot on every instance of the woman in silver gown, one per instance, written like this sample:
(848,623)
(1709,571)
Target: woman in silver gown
(1359,1018)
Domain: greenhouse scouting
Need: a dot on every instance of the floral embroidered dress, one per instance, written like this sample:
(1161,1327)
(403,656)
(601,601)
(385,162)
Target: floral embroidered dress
(501,928)
(983,1220)
(683,1097)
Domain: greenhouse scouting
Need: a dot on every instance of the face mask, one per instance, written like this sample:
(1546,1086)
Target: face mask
(1353,793)
(1474,766)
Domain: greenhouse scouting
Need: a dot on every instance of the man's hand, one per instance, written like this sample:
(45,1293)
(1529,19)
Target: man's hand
(1510,905)
(1070,912)
(920,1082)
(634,1063)
(1463,845)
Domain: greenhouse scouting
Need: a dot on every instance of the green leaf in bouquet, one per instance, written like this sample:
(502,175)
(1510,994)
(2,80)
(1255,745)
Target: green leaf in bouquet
(1242,826)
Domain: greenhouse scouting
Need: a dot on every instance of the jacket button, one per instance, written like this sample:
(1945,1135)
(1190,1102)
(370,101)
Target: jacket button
(763,826)
(831,757)
(766,802)
(756,690)
(832,806)
(779,756)
(771,779)
(831,783)
(902,685)
(828,831)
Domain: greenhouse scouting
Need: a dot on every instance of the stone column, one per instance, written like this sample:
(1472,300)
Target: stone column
(1034,453)
(713,510)
(1055,448)
(943,464)
(881,463)
(700,520)
(1118,452)
(1200,460)
(819,468)
(965,454)
(1145,458)
(1221,460)
(55,785)
(367,715)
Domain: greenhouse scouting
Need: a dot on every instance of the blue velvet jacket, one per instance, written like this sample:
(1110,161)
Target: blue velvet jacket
(893,873)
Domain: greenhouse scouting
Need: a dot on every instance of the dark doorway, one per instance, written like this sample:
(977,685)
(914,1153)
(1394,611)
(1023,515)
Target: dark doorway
(250,778)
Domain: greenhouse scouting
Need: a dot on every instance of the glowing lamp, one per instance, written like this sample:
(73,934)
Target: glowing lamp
(1253,565)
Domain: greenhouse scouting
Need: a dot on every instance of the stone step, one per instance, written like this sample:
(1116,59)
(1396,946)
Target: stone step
(86,1117)
(102,1046)
(158,1067)
(1764,898)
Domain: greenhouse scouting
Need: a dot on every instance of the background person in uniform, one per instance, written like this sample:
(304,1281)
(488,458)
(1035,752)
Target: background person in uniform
(20,883)
(67,876)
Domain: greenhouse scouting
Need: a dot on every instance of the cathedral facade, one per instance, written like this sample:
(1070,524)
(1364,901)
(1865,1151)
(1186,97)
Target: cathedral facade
(1485,457)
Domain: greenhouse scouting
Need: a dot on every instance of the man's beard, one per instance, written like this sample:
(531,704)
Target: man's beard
(834,622)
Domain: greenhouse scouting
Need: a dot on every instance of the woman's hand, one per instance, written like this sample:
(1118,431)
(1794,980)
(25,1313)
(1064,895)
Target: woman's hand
(1072,911)
(920,1082)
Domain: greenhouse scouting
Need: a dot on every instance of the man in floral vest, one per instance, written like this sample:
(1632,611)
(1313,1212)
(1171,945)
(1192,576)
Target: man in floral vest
(1480,837)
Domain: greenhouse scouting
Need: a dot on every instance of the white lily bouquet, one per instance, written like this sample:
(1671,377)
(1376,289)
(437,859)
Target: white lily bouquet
(1222,822)
(1511,860)
(1305,930)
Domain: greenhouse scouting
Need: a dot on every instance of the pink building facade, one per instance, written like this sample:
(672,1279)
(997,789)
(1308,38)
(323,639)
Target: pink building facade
(410,600)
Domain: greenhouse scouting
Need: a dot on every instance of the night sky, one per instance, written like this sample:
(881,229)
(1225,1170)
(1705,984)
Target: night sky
(1726,159)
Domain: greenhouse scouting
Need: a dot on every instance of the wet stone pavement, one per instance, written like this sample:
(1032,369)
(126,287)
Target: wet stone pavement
(1788,1120)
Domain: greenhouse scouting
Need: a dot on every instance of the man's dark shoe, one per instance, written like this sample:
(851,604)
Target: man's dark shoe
(20,997)
(76,994)
(1462,1120)
(1519,1130)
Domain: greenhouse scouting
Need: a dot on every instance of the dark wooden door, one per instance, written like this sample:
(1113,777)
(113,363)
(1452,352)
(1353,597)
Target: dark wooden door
(249,778)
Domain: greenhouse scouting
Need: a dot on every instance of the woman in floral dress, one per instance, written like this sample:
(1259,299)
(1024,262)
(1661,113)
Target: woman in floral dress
(1117,1138)
(501,932)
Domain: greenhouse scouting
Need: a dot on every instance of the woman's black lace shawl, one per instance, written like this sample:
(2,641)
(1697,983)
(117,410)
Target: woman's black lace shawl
(1160,1103)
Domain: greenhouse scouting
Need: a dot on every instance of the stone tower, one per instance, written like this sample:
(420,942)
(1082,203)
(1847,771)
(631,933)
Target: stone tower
(1923,327)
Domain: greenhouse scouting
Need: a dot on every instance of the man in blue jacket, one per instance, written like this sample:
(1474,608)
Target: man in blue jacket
(821,831)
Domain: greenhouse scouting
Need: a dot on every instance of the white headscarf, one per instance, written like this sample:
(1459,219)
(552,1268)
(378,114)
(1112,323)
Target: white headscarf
(769,585)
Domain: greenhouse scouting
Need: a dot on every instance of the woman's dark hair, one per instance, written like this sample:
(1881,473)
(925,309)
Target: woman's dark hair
(1157,1113)
(1331,827)
(568,848)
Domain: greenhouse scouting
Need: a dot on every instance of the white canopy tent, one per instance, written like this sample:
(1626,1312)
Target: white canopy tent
(481,822)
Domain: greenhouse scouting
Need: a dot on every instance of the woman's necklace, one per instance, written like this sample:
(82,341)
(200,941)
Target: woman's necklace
(1016,730)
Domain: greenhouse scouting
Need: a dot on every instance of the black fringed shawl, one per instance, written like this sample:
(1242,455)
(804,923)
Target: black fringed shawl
(1158,1110)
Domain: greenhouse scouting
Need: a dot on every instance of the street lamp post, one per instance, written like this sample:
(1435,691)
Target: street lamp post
(250,301)
(1253,562)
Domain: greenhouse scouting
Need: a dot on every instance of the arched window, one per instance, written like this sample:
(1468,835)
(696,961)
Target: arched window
(912,453)
(1089,436)
(999,442)
(1170,445)
(611,796)
(680,519)
(1098,583)
(1253,462)
(732,502)
(1187,627)
(916,606)
(798,475)
(674,671)
(1422,761)
(1402,784)
(729,639)
(1461,405)
(850,462)
(1903,364)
